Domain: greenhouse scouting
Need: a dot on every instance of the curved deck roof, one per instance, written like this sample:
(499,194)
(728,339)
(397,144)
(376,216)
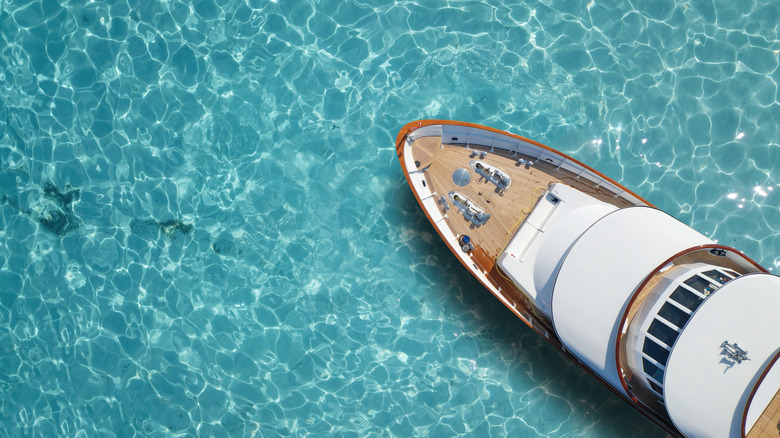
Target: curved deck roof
(706,392)
(601,272)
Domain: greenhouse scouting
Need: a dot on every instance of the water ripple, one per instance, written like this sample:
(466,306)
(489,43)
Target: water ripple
(203,229)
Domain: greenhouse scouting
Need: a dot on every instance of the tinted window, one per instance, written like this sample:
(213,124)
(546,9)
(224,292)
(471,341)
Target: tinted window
(686,298)
(700,284)
(652,370)
(663,332)
(674,315)
(655,387)
(657,352)
(718,276)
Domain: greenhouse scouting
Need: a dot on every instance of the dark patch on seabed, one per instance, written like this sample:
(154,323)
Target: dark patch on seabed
(55,209)
(225,245)
(57,215)
(149,229)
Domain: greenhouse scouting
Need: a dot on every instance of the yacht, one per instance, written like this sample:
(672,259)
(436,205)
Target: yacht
(684,329)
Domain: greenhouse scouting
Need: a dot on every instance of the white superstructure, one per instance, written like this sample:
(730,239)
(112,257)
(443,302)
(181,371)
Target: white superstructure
(582,262)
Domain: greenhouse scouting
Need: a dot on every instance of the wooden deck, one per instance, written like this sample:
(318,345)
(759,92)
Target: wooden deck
(508,209)
(768,424)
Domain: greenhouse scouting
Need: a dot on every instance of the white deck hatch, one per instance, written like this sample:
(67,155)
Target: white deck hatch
(532,258)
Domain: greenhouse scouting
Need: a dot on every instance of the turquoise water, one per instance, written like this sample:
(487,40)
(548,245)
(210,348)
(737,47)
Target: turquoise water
(204,230)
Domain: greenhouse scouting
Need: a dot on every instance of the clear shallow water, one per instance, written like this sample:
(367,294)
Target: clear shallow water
(204,229)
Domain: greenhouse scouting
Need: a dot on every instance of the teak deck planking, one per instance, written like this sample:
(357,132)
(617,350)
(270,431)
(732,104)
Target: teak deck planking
(508,208)
(768,424)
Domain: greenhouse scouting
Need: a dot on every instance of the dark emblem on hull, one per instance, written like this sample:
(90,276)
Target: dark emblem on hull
(733,352)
